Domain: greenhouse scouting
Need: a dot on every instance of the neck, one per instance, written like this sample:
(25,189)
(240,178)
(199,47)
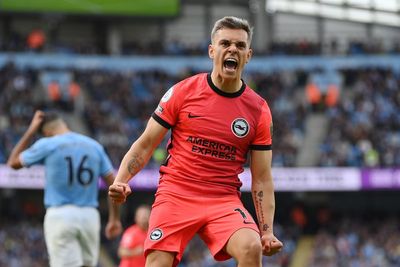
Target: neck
(143,227)
(60,130)
(228,85)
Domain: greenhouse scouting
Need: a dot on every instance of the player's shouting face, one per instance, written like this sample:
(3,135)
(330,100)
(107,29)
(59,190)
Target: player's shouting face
(230,51)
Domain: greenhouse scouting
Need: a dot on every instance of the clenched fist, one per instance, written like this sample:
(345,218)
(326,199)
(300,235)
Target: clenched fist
(119,191)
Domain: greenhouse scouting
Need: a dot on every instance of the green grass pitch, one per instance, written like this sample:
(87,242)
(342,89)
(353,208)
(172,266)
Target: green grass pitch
(94,7)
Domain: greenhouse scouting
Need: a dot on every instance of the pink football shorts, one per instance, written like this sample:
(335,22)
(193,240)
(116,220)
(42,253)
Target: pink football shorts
(175,219)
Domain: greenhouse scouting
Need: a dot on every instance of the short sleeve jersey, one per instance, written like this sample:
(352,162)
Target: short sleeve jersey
(73,164)
(133,237)
(211,134)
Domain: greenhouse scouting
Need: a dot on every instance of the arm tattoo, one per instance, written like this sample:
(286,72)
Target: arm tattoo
(258,198)
(135,164)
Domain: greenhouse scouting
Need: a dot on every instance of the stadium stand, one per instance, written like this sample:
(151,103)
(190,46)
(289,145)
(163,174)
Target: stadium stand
(132,97)
(364,127)
(17,239)
(354,243)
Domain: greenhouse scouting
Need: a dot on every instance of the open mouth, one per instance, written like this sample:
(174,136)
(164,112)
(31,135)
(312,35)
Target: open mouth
(230,64)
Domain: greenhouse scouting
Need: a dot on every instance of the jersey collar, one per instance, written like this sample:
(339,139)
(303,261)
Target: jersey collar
(222,93)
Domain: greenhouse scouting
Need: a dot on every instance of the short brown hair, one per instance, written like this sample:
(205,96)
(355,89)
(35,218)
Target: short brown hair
(231,22)
(49,116)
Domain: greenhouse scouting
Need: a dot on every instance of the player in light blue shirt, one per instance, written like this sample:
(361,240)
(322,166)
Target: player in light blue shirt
(73,164)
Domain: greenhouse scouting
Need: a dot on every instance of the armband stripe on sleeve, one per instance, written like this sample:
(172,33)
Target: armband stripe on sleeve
(161,121)
(261,147)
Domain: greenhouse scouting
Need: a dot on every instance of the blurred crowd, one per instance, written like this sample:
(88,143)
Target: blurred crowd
(132,97)
(365,125)
(22,244)
(358,242)
(18,99)
(346,241)
(37,41)
(353,47)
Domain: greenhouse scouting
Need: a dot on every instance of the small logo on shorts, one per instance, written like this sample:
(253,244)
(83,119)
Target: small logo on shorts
(156,234)
(245,221)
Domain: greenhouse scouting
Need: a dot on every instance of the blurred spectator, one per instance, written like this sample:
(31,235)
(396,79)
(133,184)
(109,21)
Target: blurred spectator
(54,93)
(298,216)
(130,249)
(36,40)
(322,90)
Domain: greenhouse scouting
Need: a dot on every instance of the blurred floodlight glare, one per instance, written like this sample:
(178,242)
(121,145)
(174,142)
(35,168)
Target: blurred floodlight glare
(365,11)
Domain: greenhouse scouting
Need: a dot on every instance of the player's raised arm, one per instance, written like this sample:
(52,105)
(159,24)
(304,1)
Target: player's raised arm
(13,160)
(135,159)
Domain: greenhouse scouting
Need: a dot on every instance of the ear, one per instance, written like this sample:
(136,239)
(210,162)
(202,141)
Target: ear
(46,133)
(211,51)
(249,55)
